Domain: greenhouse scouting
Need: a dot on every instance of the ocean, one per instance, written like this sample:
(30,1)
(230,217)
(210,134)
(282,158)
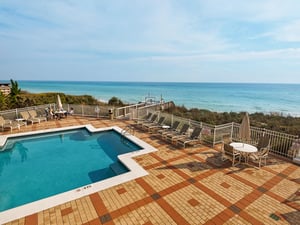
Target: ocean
(220,97)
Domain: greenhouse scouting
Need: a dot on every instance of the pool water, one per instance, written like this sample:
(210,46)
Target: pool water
(36,167)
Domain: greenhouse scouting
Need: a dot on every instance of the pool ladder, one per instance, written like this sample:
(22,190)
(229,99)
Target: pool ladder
(127,130)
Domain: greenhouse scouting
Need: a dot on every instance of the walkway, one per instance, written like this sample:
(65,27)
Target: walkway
(184,186)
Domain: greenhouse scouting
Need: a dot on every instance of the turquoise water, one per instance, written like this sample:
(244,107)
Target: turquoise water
(35,167)
(220,97)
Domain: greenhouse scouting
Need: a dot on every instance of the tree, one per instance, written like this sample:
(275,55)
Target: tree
(14,94)
(115,101)
(3,104)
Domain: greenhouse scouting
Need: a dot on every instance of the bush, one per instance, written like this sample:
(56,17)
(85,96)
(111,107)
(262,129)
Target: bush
(115,101)
(290,125)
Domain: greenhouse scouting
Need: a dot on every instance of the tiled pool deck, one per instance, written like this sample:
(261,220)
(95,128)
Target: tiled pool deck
(184,186)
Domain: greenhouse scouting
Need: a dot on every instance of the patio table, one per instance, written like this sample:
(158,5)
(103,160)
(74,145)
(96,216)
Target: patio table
(60,114)
(244,148)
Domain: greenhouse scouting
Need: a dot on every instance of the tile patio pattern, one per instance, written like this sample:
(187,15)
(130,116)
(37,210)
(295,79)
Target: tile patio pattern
(184,186)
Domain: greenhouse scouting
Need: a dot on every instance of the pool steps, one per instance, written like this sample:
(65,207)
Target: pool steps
(118,168)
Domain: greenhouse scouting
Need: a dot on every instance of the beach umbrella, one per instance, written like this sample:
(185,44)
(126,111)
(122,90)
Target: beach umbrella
(244,132)
(59,105)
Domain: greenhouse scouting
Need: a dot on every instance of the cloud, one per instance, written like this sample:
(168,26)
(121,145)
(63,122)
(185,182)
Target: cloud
(280,54)
(167,33)
(289,32)
(255,10)
(155,25)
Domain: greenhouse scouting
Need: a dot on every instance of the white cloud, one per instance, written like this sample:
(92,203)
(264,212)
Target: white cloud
(254,10)
(171,32)
(273,55)
(289,32)
(162,28)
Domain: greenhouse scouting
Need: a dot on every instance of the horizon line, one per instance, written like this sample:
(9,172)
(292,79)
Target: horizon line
(123,81)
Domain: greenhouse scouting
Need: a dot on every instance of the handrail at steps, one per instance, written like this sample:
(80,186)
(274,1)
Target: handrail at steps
(128,130)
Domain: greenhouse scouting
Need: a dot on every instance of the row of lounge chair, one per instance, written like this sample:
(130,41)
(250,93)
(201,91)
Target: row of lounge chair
(181,137)
(177,134)
(30,116)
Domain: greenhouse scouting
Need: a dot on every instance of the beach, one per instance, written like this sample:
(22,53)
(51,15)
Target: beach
(282,99)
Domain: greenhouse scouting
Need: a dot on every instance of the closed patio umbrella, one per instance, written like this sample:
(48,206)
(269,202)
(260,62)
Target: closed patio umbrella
(59,105)
(244,132)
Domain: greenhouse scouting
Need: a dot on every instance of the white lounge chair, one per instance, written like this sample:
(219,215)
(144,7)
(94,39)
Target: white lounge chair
(26,116)
(193,139)
(175,135)
(33,115)
(170,129)
(154,125)
(10,124)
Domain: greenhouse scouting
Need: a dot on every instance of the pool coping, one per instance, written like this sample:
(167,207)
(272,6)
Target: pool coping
(135,171)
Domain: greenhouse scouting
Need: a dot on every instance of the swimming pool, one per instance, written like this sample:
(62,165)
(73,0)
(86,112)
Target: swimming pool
(64,164)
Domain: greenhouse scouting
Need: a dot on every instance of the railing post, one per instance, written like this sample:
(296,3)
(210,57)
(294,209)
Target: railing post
(231,132)
(214,136)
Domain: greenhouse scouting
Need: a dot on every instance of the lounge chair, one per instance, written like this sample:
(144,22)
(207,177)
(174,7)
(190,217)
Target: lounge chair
(155,125)
(151,120)
(4,122)
(172,132)
(33,114)
(193,139)
(173,136)
(10,124)
(26,116)
(263,147)
(171,129)
(145,118)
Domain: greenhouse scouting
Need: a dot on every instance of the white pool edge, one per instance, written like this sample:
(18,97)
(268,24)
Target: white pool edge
(135,171)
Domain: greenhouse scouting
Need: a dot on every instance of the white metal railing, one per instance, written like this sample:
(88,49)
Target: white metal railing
(212,134)
(144,110)
(13,114)
(80,110)
(139,110)
(127,111)
(280,143)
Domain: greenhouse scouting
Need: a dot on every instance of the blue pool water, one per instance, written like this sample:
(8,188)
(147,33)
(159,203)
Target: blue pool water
(35,167)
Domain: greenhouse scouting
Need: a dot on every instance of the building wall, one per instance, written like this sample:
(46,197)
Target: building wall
(5,89)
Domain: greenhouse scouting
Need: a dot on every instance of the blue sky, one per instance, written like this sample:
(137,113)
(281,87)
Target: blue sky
(151,40)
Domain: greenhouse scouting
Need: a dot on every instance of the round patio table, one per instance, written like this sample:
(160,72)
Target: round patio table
(245,149)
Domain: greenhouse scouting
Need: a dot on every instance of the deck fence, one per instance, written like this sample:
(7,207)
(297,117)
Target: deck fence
(211,134)
(280,143)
